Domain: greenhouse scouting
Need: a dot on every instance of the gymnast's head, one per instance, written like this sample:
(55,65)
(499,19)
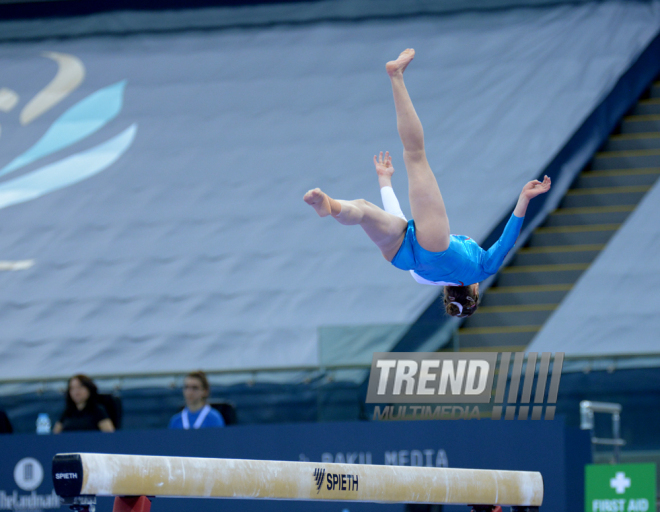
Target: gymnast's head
(461,301)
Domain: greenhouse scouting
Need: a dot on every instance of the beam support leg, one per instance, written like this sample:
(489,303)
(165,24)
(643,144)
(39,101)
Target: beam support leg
(131,504)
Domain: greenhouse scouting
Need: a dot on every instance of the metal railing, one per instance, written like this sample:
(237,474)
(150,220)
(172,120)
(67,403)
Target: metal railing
(572,363)
(587,422)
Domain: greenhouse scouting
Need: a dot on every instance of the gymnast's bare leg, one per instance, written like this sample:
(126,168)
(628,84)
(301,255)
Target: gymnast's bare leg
(426,203)
(385,230)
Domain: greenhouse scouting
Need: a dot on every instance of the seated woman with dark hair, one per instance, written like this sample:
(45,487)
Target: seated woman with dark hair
(83,410)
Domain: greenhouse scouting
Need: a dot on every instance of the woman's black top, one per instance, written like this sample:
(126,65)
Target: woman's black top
(5,425)
(86,419)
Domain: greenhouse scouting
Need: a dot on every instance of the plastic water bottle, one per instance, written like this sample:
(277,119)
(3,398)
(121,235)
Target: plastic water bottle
(43,423)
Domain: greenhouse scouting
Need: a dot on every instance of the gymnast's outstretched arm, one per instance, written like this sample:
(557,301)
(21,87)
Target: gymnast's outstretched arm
(498,251)
(385,170)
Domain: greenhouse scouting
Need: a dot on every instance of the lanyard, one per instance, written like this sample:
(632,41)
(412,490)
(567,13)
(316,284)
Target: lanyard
(200,419)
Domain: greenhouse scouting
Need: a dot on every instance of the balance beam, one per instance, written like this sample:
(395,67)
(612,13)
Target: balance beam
(95,474)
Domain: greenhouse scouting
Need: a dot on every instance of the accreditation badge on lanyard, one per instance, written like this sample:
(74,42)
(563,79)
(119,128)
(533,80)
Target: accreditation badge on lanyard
(200,419)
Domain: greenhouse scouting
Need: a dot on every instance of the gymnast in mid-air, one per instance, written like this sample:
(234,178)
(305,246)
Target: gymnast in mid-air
(424,246)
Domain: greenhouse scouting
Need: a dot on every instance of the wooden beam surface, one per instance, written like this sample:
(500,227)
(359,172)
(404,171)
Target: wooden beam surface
(139,475)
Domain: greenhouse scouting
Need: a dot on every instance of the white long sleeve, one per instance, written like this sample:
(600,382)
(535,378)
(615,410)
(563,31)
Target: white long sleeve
(391,203)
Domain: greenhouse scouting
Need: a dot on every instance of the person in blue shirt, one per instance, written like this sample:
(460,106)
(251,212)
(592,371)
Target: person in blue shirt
(424,246)
(197,413)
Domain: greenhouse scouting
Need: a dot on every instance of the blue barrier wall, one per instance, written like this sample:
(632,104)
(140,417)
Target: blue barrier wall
(557,451)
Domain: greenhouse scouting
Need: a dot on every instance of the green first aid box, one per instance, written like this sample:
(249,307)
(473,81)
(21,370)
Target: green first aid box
(620,488)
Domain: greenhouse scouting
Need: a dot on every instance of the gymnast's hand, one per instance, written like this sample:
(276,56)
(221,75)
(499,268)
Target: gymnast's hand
(384,169)
(530,191)
(535,188)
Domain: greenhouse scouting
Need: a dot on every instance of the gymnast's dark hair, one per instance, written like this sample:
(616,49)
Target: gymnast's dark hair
(463,296)
(91,387)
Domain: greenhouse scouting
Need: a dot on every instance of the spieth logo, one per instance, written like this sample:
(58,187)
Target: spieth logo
(76,124)
(28,474)
(339,482)
(335,481)
(319,473)
(66,476)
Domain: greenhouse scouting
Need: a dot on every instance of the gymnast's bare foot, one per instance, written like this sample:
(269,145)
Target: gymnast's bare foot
(321,202)
(397,67)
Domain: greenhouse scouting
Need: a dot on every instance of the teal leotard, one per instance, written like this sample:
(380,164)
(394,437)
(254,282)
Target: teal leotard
(464,262)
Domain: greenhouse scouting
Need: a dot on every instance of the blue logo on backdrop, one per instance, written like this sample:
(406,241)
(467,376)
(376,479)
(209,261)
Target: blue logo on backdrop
(28,476)
(76,124)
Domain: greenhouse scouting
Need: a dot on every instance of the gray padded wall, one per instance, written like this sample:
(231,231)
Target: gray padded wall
(194,248)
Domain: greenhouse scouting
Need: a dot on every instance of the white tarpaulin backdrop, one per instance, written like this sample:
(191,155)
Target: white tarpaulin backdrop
(176,236)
